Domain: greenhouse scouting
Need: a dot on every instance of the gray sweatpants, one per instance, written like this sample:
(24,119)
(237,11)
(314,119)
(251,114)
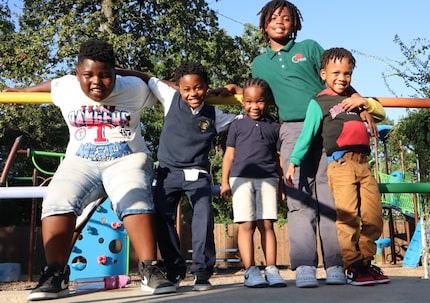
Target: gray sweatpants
(310,204)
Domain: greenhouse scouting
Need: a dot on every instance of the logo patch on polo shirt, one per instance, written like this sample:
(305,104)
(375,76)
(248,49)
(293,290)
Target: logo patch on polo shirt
(298,57)
(204,125)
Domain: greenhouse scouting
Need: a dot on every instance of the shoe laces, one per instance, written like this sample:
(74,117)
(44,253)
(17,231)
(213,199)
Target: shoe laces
(376,269)
(307,270)
(47,273)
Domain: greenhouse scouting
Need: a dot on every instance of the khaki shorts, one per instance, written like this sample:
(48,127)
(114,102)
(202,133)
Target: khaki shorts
(254,198)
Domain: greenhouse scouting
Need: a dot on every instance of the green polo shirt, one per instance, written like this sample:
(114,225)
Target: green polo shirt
(293,74)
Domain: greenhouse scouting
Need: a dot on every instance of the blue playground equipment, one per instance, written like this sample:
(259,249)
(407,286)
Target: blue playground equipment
(102,249)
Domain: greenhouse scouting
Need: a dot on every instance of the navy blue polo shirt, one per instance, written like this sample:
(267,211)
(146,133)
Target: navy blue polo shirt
(256,144)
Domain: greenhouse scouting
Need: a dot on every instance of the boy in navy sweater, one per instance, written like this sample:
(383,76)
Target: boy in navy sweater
(189,127)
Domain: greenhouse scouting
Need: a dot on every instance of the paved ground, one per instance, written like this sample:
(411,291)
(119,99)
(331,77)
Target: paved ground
(407,285)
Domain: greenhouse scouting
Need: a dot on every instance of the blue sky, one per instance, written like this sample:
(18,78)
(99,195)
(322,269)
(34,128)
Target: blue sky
(366,26)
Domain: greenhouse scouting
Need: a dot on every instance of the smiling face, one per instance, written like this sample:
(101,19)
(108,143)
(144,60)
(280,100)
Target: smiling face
(97,79)
(192,89)
(253,101)
(279,29)
(337,74)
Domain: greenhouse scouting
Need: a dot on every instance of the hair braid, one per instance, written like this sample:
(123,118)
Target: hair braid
(267,11)
(267,92)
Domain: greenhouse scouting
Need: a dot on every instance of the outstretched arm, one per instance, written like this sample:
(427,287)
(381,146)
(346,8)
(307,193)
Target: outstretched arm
(144,76)
(226,90)
(41,87)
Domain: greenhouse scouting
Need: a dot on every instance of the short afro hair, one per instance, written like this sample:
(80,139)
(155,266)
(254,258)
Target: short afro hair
(97,50)
(191,68)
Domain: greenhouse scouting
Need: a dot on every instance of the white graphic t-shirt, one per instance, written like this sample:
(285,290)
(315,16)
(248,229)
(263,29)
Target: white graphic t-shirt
(106,130)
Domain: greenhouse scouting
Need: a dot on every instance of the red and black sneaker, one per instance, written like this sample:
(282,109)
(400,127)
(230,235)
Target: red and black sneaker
(357,274)
(377,275)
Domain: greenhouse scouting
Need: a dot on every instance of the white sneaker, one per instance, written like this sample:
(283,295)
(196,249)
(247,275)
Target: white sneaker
(335,275)
(273,277)
(253,278)
(306,276)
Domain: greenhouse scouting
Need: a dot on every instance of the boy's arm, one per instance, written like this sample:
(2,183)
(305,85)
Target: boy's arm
(41,87)
(226,90)
(144,76)
(375,108)
(372,106)
(223,120)
(311,126)
(281,188)
(135,73)
(227,161)
(371,110)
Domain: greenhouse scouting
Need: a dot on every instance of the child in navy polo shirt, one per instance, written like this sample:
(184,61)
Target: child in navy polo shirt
(251,171)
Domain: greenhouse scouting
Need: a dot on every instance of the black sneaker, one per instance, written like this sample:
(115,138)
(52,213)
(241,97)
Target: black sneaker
(201,281)
(53,284)
(154,278)
(176,274)
(175,279)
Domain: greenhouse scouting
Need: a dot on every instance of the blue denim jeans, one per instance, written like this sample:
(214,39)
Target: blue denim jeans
(77,182)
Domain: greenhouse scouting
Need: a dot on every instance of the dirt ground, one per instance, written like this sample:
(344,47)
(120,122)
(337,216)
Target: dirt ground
(229,276)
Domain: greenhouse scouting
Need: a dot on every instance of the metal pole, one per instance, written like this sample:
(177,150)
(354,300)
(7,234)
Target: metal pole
(9,161)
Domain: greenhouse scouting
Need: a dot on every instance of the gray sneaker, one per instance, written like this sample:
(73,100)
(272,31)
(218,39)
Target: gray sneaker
(273,277)
(154,279)
(335,275)
(53,284)
(306,276)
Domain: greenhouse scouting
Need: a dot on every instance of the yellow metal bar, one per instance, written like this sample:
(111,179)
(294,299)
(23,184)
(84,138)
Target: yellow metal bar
(25,98)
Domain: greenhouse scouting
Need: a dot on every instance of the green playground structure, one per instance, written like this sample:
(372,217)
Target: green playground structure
(396,192)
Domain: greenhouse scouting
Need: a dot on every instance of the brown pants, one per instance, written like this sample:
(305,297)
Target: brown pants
(358,204)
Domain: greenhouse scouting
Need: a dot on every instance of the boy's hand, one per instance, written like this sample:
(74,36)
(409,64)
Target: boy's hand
(289,175)
(281,191)
(15,90)
(350,103)
(227,90)
(225,191)
(365,116)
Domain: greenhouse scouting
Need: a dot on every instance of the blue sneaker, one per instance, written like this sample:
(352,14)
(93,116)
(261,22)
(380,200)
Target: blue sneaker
(253,278)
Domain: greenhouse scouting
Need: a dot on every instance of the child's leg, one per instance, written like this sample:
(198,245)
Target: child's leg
(268,241)
(370,211)
(246,243)
(57,232)
(140,229)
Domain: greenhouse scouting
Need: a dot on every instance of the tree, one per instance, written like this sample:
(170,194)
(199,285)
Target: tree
(413,130)
(6,29)
(151,36)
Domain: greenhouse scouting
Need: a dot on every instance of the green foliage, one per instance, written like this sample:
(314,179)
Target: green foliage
(43,128)
(414,68)
(414,132)
(151,36)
